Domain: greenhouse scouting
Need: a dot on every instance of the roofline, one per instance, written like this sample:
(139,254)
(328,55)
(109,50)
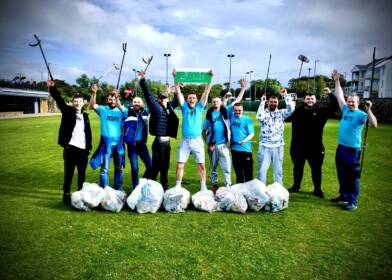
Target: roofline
(23,92)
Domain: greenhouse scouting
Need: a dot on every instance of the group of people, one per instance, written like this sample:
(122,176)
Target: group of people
(223,124)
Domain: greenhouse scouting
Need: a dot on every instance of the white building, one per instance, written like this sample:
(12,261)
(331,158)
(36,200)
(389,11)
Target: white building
(382,82)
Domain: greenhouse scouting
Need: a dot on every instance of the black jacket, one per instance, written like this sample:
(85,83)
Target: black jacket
(308,124)
(68,121)
(163,122)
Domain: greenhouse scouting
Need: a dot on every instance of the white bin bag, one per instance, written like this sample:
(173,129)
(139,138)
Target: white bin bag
(176,199)
(205,201)
(146,197)
(113,200)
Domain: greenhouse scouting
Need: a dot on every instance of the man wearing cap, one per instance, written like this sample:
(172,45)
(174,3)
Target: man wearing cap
(308,123)
(271,146)
(135,136)
(191,142)
(216,131)
(74,137)
(111,121)
(349,145)
(163,125)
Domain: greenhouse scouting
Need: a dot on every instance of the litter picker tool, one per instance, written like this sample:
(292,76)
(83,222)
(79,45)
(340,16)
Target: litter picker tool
(124,45)
(367,121)
(38,43)
(114,66)
(266,80)
(147,62)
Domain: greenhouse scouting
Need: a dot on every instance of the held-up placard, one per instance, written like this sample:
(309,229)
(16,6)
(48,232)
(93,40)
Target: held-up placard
(193,75)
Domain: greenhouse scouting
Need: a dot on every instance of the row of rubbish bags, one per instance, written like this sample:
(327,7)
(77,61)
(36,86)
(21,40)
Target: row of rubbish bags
(149,196)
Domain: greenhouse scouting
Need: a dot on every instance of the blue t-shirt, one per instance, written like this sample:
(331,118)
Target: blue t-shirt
(219,136)
(350,127)
(111,121)
(192,120)
(241,127)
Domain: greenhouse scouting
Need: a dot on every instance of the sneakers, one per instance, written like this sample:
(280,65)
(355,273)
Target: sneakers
(350,207)
(319,193)
(67,198)
(294,189)
(339,199)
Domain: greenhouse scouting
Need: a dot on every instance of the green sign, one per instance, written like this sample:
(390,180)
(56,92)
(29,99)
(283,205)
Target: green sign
(193,76)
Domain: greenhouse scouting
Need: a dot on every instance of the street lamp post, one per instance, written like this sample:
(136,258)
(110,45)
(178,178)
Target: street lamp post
(250,83)
(167,66)
(135,85)
(314,76)
(230,56)
(309,77)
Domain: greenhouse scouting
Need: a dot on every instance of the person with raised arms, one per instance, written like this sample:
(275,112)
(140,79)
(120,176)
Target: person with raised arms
(111,121)
(191,142)
(74,137)
(271,146)
(163,125)
(349,145)
(216,131)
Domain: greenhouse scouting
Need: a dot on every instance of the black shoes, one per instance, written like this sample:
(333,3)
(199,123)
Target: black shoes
(67,198)
(319,193)
(339,199)
(294,190)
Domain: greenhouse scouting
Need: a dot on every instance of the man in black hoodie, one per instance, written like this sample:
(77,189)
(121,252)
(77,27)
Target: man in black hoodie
(163,125)
(74,137)
(308,123)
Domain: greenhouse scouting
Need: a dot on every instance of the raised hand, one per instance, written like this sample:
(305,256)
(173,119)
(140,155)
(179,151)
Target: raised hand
(335,75)
(283,92)
(243,83)
(50,83)
(94,88)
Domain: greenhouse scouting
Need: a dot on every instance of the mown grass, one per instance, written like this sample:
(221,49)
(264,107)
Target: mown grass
(42,239)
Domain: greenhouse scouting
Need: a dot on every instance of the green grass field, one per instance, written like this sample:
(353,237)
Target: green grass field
(40,238)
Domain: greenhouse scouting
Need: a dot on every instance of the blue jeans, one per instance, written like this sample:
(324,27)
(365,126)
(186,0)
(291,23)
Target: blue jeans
(264,157)
(348,170)
(141,150)
(104,175)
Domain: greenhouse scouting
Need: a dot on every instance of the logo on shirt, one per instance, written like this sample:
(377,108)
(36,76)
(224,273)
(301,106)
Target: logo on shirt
(113,119)
(346,117)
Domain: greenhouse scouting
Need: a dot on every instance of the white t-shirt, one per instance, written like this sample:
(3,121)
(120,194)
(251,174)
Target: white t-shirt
(78,138)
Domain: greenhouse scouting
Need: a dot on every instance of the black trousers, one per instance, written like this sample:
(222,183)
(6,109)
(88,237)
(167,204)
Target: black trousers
(74,156)
(315,158)
(243,166)
(160,161)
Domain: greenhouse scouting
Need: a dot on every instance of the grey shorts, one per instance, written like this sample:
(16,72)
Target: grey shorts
(194,146)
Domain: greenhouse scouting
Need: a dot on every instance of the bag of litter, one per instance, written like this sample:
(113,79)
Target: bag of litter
(205,201)
(231,200)
(146,197)
(255,193)
(279,197)
(92,194)
(77,201)
(113,199)
(176,199)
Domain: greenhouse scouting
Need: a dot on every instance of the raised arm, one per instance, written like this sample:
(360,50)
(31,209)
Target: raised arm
(180,96)
(146,92)
(118,102)
(260,115)
(56,95)
(243,83)
(371,117)
(93,99)
(204,97)
(290,104)
(338,89)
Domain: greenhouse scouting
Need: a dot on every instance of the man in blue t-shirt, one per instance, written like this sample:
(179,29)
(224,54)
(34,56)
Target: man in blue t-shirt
(191,142)
(216,131)
(111,121)
(242,131)
(349,145)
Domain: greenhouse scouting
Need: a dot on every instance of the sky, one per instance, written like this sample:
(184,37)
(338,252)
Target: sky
(86,37)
